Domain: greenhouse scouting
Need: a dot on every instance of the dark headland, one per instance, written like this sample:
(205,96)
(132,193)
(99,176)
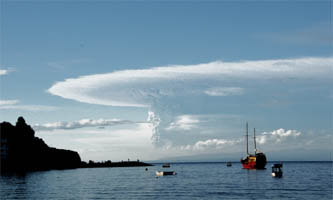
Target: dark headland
(21,151)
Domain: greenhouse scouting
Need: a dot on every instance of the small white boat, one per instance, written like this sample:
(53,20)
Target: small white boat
(166,165)
(277,170)
(165,173)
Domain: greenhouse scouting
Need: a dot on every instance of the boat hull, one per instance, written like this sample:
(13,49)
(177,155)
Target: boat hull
(277,174)
(249,165)
(257,161)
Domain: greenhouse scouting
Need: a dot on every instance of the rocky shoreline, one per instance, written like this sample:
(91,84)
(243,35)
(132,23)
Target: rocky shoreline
(21,151)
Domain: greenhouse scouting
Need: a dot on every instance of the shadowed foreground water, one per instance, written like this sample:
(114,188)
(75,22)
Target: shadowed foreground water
(193,181)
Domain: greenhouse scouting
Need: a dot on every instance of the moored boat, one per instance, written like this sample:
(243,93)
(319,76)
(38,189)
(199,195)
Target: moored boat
(277,170)
(166,165)
(165,173)
(256,160)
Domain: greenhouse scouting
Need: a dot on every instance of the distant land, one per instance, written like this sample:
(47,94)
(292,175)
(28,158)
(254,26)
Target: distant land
(92,164)
(21,151)
(281,155)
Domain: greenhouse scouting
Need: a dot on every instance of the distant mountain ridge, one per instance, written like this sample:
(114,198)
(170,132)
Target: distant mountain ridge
(22,151)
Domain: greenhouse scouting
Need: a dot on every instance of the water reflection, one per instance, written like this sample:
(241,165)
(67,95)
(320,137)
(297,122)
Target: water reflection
(13,186)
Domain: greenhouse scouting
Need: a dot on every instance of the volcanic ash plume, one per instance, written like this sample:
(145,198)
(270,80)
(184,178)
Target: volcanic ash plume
(155,121)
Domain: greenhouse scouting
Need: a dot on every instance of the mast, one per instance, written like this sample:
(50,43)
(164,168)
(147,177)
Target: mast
(254,137)
(247,138)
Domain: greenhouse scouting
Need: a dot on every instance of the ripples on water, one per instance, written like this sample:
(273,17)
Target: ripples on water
(193,181)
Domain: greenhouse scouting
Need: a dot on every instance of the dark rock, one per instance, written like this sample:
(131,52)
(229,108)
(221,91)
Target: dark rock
(22,151)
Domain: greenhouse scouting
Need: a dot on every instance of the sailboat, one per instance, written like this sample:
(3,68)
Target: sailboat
(256,160)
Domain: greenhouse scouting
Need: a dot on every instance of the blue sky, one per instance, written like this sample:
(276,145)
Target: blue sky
(154,80)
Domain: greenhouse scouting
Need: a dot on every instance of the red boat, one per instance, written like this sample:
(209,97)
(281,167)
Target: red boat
(256,160)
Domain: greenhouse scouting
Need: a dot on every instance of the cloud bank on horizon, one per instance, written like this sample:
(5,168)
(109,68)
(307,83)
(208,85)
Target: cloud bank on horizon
(174,94)
(265,138)
(83,123)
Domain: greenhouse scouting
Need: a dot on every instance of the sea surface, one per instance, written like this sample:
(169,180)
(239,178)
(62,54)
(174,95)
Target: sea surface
(301,180)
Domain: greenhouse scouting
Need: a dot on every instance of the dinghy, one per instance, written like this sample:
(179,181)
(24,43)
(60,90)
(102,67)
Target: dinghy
(165,173)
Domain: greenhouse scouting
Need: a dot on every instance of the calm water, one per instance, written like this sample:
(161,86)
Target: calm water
(193,181)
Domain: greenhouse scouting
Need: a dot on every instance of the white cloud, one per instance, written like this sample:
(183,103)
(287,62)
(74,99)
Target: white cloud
(112,143)
(139,88)
(282,133)
(8,102)
(82,124)
(277,136)
(184,122)
(170,91)
(33,108)
(6,71)
(3,72)
(14,105)
(224,91)
(214,144)
(265,138)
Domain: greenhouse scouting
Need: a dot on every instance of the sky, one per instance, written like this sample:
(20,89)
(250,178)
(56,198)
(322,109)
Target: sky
(171,80)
